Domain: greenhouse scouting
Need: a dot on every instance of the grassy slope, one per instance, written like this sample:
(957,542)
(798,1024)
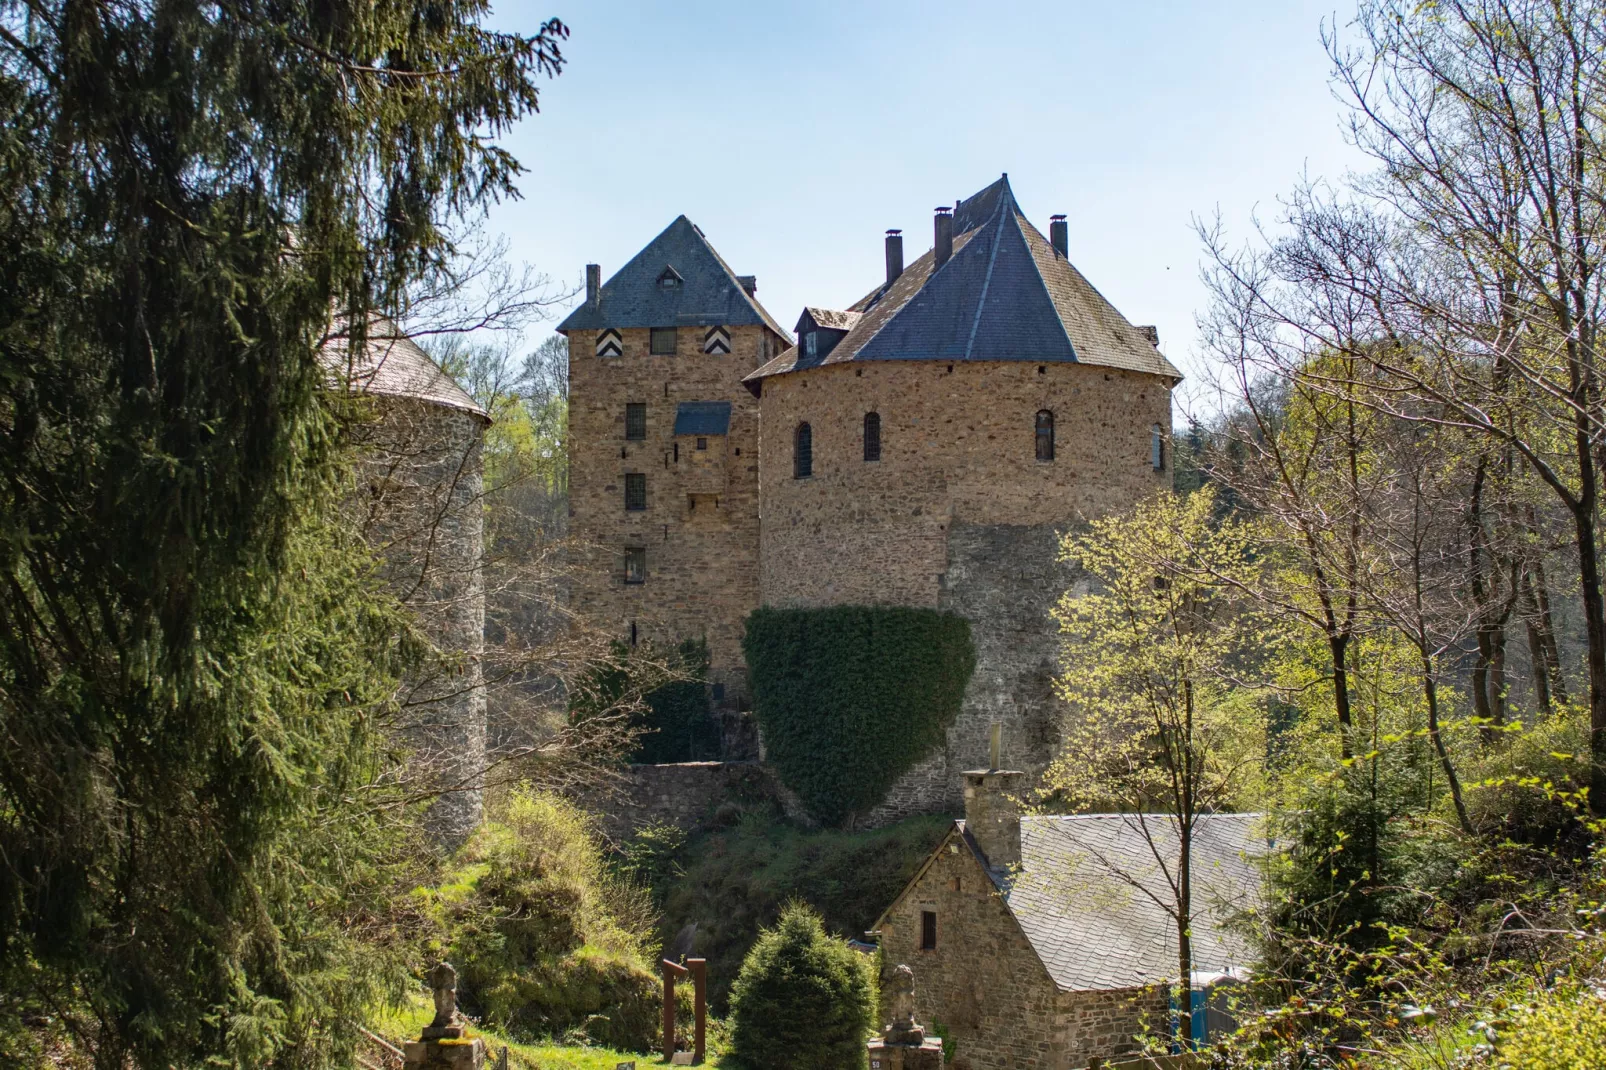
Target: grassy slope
(403,1022)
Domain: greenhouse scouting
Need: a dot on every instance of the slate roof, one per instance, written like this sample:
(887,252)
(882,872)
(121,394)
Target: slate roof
(1080,895)
(830,318)
(393,365)
(709,294)
(703,418)
(1004,295)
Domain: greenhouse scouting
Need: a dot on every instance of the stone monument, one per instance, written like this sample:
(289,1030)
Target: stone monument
(445,1043)
(903,1044)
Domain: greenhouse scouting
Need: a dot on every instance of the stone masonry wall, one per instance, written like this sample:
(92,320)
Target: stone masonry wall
(700,526)
(987,987)
(958,515)
(688,795)
(424,514)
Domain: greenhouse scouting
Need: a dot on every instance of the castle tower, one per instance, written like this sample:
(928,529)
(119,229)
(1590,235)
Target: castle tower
(928,445)
(663,440)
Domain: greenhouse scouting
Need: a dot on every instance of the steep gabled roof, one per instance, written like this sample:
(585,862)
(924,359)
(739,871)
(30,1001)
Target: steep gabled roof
(1084,894)
(392,365)
(1003,295)
(708,293)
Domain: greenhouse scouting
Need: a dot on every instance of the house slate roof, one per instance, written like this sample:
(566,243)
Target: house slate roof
(703,418)
(1003,295)
(1084,895)
(829,318)
(391,364)
(710,293)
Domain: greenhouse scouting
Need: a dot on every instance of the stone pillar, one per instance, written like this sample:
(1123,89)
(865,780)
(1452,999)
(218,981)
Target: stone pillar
(903,1044)
(445,1043)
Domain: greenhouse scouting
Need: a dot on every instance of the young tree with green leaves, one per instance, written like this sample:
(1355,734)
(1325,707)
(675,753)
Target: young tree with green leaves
(194,657)
(1159,659)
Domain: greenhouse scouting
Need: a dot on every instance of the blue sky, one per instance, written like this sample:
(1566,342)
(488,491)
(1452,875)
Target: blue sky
(795,134)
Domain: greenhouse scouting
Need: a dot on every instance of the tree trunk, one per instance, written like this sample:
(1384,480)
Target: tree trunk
(1185,930)
(1338,648)
(1430,690)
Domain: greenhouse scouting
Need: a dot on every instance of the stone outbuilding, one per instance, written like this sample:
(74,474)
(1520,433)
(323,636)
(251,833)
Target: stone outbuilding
(1040,942)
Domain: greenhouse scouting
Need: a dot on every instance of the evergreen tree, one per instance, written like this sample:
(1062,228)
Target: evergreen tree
(193,199)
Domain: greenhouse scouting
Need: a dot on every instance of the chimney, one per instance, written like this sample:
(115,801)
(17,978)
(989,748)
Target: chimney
(749,284)
(991,817)
(1059,236)
(894,255)
(1152,334)
(944,247)
(593,283)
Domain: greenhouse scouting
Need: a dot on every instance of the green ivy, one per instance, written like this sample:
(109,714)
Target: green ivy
(850,697)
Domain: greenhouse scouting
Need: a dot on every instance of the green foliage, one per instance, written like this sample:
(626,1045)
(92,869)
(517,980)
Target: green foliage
(1565,1031)
(663,697)
(545,940)
(733,881)
(849,698)
(803,1000)
(193,658)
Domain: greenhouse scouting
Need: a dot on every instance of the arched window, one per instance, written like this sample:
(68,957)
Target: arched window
(1157,448)
(1045,435)
(872,436)
(803,452)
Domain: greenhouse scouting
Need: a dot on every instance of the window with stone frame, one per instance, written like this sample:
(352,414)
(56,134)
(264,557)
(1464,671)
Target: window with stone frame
(662,341)
(635,572)
(803,452)
(635,420)
(1157,448)
(928,930)
(872,436)
(635,491)
(1045,435)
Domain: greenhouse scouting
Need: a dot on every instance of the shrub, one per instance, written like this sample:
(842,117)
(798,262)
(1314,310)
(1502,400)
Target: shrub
(1560,1034)
(542,936)
(804,1000)
(850,697)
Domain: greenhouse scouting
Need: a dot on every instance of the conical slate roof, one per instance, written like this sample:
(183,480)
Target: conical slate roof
(393,365)
(707,292)
(1004,295)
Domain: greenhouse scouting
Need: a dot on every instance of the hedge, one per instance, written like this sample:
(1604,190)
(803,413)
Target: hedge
(849,698)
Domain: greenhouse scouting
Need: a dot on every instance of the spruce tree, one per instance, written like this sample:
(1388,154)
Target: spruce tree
(193,652)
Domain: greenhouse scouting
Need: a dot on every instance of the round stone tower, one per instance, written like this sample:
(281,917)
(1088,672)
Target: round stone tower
(423,512)
(929,445)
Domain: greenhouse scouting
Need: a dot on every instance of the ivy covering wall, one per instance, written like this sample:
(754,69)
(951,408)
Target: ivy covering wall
(850,697)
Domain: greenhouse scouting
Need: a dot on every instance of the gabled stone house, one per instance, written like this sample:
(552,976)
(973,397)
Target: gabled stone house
(1034,942)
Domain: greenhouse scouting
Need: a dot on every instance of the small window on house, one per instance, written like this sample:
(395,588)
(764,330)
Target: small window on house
(635,420)
(928,930)
(872,436)
(1157,448)
(1045,435)
(811,343)
(803,452)
(702,443)
(635,491)
(663,341)
(635,572)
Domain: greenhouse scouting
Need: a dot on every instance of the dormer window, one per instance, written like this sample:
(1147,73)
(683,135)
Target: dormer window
(670,279)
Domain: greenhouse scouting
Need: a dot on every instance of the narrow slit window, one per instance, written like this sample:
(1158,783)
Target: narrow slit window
(635,491)
(663,341)
(635,421)
(872,436)
(1157,448)
(928,930)
(803,452)
(635,572)
(1045,435)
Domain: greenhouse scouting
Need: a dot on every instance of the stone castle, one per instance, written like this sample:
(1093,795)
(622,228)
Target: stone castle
(925,446)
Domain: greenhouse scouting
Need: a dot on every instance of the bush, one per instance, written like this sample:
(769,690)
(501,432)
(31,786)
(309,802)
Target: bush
(1567,1033)
(850,697)
(803,1000)
(542,936)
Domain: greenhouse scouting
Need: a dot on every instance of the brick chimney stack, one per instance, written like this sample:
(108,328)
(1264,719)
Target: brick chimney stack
(1059,236)
(749,284)
(894,255)
(944,247)
(991,817)
(593,283)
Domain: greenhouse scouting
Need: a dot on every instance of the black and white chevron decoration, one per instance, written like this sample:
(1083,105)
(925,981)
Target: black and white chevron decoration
(717,340)
(609,344)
